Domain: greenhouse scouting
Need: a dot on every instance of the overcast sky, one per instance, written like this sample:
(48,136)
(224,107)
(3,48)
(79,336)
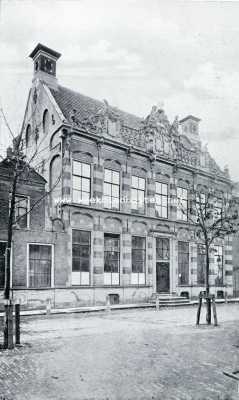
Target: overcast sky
(134,54)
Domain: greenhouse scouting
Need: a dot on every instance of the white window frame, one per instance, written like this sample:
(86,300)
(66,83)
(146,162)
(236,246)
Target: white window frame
(111,184)
(52,263)
(90,179)
(28,208)
(162,196)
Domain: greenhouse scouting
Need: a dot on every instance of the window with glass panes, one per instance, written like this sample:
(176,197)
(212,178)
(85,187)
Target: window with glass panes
(81,182)
(111,259)
(218,264)
(3,246)
(183,263)
(217,208)
(138,260)
(162,249)
(201,264)
(182,208)
(40,265)
(81,250)
(111,194)
(21,215)
(138,194)
(161,199)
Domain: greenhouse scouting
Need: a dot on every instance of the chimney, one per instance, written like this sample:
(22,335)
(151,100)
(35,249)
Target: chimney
(44,60)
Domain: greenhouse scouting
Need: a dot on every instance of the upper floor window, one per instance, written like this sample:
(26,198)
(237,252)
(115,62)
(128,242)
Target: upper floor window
(21,212)
(138,194)
(111,194)
(81,182)
(161,199)
(46,121)
(182,206)
(217,209)
(80,257)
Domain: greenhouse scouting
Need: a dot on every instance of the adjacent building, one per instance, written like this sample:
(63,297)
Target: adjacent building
(111,221)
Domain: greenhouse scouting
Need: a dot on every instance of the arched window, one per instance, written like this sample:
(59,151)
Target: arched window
(45,121)
(28,134)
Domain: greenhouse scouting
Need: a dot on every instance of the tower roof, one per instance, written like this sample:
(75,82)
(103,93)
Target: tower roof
(41,47)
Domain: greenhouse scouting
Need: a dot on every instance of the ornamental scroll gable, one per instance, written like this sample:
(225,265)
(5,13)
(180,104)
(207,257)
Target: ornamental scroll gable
(106,121)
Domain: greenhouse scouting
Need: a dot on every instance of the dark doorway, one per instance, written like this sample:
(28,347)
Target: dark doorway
(162,276)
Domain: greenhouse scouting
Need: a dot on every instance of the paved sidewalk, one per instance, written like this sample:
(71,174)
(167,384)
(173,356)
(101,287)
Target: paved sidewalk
(128,354)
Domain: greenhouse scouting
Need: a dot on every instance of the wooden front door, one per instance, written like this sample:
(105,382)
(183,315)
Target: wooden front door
(162,275)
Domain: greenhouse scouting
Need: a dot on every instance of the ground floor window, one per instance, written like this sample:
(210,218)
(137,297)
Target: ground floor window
(111,259)
(40,265)
(218,265)
(81,250)
(201,264)
(138,260)
(2,263)
(183,263)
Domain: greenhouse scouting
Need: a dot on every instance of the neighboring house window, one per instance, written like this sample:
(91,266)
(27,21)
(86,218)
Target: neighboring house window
(81,182)
(81,251)
(111,259)
(201,264)
(3,246)
(161,199)
(138,260)
(28,134)
(138,194)
(40,265)
(111,189)
(46,121)
(21,214)
(182,208)
(218,265)
(183,263)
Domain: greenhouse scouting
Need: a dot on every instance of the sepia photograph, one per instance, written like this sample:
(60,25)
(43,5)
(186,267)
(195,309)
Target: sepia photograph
(119,200)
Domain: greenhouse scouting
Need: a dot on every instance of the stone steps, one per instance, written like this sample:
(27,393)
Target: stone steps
(169,300)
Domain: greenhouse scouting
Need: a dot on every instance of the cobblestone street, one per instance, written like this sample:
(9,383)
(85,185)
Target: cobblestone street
(136,354)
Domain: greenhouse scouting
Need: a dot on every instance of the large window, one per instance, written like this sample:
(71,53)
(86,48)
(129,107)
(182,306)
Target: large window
(201,264)
(2,263)
(138,194)
(162,249)
(218,265)
(161,199)
(182,207)
(21,213)
(40,265)
(183,263)
(111,259)
(80,257)
(138,260)
(81,182)
(111,189)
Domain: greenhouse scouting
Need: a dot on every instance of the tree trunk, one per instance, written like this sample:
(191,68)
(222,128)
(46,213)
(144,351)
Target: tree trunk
(208,300)
(8,326)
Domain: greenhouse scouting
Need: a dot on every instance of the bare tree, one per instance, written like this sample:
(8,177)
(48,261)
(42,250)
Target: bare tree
(214,215)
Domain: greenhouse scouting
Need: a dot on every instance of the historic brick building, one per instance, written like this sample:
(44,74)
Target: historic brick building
(113,181)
